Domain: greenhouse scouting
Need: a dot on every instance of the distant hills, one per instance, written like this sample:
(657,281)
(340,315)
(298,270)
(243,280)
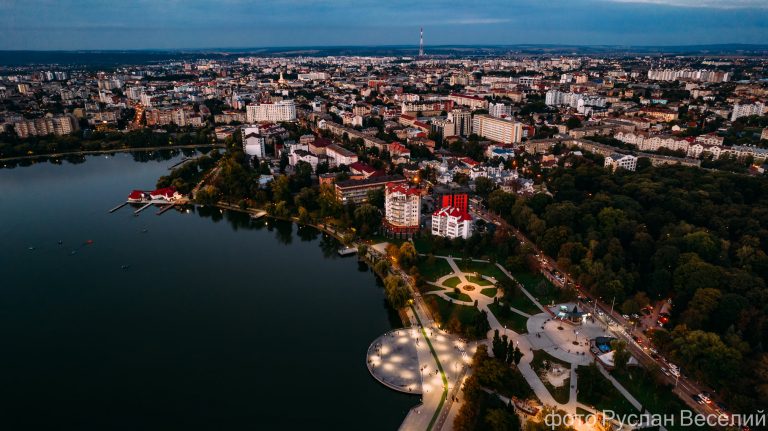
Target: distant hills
(104,58)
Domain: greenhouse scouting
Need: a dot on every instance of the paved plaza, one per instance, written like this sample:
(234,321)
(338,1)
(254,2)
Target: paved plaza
(562,339)
(394,361)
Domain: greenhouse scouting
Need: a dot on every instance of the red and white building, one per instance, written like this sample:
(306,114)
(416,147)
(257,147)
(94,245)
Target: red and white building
(402,208)
(451,222)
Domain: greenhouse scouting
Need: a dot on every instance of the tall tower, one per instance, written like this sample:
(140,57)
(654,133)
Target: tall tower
(421,42)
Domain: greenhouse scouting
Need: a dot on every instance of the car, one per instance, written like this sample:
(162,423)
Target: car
(698,399)
(665,371)
(655,355)
(625,316)
(705,399)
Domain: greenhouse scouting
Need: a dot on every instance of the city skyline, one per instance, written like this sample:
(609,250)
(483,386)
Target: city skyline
(93,24)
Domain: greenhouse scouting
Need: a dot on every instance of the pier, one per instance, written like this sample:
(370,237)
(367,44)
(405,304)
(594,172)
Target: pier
(258,214)
(147,205)
(166,208)
(118,207)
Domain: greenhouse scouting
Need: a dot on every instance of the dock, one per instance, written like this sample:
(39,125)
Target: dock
(145,206)
(183,160)
(118,207)
(346,251)
(258,214)
(165,208)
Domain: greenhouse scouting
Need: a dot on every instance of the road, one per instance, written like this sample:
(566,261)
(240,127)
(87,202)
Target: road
(685,388)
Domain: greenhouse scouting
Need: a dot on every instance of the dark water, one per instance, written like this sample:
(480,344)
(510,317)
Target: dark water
(217,323)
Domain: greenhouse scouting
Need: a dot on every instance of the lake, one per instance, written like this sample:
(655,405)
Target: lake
(193,319)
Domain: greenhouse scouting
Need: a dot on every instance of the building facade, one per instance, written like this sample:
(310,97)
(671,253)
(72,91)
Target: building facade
(451,222)
(284,110)
(402,208)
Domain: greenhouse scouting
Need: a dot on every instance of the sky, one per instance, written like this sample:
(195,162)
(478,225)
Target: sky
(171,24)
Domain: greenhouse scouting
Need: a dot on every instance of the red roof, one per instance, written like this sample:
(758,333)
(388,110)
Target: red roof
(453,212)
(468,161)
(402,188)
(398,148)
(136,194)
(362,168)
(166,191)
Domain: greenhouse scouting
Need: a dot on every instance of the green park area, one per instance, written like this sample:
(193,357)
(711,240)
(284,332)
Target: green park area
(481,268)
(489,292)
(520,301)
(452,282)
(509,318)
(465,320)
(478,281)
(431,268)
(459,296)
(655,395)
(596,391)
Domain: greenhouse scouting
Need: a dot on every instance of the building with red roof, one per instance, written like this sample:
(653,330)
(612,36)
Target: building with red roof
(402,209)
(451,222)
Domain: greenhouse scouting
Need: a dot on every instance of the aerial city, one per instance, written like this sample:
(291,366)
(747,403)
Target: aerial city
(280,215)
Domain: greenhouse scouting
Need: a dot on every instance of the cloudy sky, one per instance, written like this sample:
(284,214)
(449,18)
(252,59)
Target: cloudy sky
(141,24)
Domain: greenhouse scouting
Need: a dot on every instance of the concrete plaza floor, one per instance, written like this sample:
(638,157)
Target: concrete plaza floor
(393,360)
(561,339)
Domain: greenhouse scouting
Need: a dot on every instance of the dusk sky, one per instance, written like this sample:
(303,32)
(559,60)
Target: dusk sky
(142,24)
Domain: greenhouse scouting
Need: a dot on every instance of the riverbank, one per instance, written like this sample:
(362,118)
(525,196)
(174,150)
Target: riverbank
(107,151)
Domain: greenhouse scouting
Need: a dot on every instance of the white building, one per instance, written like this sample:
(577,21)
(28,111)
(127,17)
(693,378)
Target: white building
(402,208)
(338,155)
(745,110)
(451,222)
(615,161)
(497,129)
(499,110)
(253,142)
(284,110)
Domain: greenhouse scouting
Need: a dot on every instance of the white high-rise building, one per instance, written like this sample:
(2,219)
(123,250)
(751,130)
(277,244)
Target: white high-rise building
(497,129)
(745,110)
(402,208)
(462,121)
(499,110)
(451,222)
(284,110)
(253,141)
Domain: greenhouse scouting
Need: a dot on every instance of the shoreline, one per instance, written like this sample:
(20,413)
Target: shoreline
(116,150)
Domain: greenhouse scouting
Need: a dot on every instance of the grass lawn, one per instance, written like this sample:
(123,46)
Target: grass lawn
(482,268)
(479,281)
(545,296)
(521,302)
(595,390)
(423,246)
(432,270)
(429,288)
(489,292)
(451,315)
(657,398)
(461,296)
(452,282)
(510,319)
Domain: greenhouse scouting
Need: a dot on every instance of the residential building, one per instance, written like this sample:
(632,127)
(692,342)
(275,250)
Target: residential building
(625,161)
(451,222)
(497,129)
(402,208)
(284,110)
(356,191)
(253,142)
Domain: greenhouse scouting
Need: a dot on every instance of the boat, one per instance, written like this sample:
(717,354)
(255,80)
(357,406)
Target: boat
(346,251)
